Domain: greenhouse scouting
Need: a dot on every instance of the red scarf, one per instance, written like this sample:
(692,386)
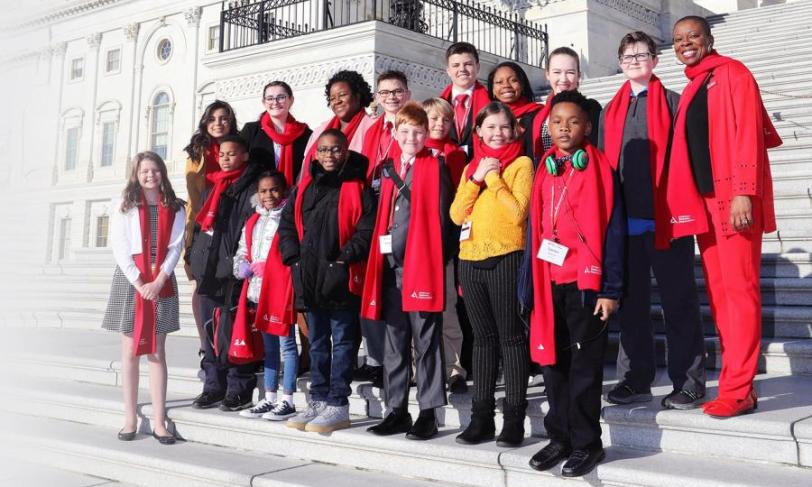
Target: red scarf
(480,98)
(372,140)
(455,158)
(211,157)
(658,121)
(506,155)
(522,107)
(293,130)
(350,209)
(593,189)
(423,270)
(538,121)
(276,292)
(221,181)
(334,123)
(145,311)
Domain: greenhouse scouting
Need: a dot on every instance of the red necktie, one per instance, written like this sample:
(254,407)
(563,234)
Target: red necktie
(385,140)
(460,113)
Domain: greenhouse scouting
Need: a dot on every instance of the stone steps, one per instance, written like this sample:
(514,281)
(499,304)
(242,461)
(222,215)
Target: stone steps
(95,450)
(770,444)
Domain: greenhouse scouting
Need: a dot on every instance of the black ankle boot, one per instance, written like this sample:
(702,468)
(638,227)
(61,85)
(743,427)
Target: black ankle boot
(512,433)
(481,428)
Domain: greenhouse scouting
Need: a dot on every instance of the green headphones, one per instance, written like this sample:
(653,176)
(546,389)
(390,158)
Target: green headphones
(578,160)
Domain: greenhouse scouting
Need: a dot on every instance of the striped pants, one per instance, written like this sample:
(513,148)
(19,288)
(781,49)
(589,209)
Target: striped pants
(493,307)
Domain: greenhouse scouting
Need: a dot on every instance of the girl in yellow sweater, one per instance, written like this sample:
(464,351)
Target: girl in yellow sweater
(491,206)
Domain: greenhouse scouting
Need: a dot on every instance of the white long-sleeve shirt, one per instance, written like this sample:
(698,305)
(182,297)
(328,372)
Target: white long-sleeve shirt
(125,230)
(263,234)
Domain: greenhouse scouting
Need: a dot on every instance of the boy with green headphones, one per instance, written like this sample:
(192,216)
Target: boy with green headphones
(575,253)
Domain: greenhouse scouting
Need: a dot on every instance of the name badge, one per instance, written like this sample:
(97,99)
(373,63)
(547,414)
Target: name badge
(553,252)
(465,231)
(385,241)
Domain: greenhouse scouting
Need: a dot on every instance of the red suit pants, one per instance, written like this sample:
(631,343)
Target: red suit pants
(732,266)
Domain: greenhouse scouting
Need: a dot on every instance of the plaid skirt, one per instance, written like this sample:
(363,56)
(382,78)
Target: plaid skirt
(120,313)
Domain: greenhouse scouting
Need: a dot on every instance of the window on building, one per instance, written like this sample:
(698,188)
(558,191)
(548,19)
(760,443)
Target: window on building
(64,237)
(113,61)
(160,124)
(108,143)
(77,68)
(71,148)
(214,38)
(102,229)
(164,49)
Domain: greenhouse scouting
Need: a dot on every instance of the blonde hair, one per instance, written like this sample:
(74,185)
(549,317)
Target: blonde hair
(439,104)
(413,114)
(133,192)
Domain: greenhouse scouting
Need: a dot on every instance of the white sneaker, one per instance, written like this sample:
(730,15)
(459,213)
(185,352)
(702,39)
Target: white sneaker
(262,407)
(314,408)
(332,418)
(283,410)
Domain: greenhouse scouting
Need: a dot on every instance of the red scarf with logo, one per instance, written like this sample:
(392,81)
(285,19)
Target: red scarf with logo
(506,155)
(592,190)
(480,98)
(350,209)
(293,130)
(372,140)
(334,123)
(211,157)
(221,180)
(423,270)
(455,158)
(276,292)
(686,212)
(658,122)
(145,310)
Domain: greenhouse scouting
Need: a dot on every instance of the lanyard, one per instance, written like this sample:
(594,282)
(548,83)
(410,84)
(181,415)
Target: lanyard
(408,164)
(555,209)
(382,156)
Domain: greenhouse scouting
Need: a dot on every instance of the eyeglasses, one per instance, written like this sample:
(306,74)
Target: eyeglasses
(385,93)
(639,57)
(276,99)
(330,150)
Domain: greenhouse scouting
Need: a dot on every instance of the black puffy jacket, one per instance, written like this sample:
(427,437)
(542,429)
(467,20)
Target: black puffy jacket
(318,281)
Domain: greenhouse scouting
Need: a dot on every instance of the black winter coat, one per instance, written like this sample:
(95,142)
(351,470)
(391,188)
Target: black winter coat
(318,281)
(211,256)
(261,147)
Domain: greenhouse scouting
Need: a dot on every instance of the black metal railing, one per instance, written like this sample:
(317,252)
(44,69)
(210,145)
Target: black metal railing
(504,34)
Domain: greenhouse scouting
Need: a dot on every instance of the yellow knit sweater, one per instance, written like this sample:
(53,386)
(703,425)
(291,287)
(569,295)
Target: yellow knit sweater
(498,213)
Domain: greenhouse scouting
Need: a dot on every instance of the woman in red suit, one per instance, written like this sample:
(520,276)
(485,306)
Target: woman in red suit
(719,188)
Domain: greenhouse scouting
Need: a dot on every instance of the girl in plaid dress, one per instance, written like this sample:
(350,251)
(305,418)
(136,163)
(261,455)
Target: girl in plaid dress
(147,238)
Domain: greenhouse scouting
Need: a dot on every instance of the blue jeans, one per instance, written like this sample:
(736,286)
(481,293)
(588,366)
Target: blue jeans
(332,354)
(290,355)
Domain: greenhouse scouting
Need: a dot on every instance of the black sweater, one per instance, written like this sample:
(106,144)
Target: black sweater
(261,147)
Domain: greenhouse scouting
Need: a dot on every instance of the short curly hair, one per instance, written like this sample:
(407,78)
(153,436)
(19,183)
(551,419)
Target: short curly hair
(358,85)
(572,96)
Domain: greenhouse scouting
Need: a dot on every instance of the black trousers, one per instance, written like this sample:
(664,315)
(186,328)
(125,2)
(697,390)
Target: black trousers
(674,271)
(574,382)
(467,352)
(492,302)
(228,379)
(425,330)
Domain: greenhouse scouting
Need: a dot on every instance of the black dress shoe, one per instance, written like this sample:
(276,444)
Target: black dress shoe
(164,440)
(425,428)
(549,456)
(581,462)
(457,385)
(235,402)
(207,400)
(394,423)
(129,436)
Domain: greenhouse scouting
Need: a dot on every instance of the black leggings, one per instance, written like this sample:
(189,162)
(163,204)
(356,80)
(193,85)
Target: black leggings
(493,308)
